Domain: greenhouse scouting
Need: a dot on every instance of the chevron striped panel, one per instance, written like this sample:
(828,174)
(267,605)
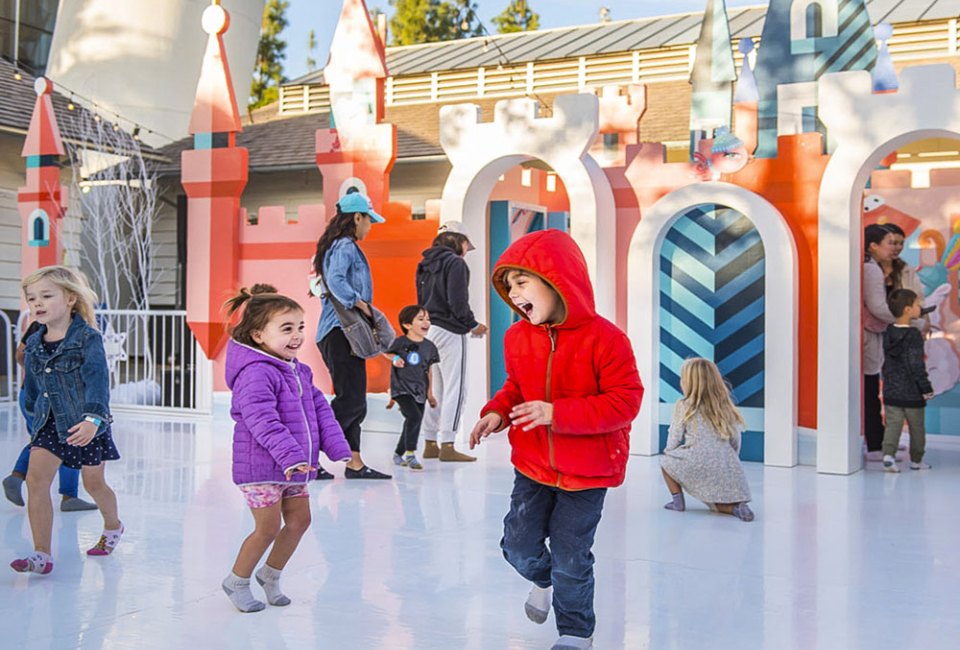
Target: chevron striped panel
(854,47)
(712,306)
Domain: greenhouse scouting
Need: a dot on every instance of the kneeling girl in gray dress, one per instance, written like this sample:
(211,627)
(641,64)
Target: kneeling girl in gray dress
(702,455)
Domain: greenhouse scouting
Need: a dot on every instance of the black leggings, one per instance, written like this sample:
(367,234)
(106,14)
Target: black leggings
(349,375)
(412,411)
(872,413)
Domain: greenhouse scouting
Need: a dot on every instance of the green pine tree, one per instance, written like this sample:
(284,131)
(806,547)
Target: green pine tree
(271,51)
(517,17)
(430,21)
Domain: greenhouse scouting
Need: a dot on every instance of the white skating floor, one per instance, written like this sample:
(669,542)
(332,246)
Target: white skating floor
(868,561)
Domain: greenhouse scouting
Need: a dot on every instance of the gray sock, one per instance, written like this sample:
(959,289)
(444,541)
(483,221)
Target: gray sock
(677,504)
(269,579)
(567,642)
(537,606)
(238,589)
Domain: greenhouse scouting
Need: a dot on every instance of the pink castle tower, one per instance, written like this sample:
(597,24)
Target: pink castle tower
(42,200)
(214,176)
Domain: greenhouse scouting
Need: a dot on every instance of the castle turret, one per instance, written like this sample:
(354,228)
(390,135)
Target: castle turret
(712,76)
(42,200)
(802,40)
(214,175)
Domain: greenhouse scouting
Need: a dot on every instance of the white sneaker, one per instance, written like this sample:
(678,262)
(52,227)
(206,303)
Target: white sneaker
(874,455)
(890,464)
(919,466)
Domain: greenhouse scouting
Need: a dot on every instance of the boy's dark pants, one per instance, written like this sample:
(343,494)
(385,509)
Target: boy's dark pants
(412,412)
(570,520)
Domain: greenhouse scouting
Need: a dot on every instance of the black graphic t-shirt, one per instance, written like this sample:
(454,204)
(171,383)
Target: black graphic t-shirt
(412,379)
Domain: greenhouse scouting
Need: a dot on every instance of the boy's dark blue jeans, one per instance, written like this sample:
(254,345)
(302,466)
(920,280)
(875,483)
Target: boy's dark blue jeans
(570,520)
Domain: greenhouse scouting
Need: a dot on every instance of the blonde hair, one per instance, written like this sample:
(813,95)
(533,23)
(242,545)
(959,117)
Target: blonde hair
(705,392)
(74,283)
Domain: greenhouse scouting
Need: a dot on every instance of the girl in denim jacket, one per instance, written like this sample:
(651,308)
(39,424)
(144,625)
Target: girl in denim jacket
(67,393)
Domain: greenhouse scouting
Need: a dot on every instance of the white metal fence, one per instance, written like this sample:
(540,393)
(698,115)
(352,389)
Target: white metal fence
(155,363)
(10,380)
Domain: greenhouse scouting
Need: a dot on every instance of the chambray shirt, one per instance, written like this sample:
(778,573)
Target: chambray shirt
(347,275)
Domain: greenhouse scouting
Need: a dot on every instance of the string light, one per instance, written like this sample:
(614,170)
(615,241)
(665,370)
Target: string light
(75,98)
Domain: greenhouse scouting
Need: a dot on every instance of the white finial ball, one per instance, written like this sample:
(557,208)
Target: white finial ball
(883,31)
(215,20)
(745,46)
(42,86)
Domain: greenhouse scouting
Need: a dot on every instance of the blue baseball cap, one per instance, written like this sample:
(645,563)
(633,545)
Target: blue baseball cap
(357,202)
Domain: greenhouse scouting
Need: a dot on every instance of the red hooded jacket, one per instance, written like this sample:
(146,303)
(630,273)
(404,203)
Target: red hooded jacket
(584,365)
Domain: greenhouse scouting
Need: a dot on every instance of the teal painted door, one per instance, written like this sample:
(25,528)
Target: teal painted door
(508,223)
(712,306)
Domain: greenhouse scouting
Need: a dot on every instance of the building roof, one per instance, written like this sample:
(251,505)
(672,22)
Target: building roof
(285,142)
(17,99)
(612,37)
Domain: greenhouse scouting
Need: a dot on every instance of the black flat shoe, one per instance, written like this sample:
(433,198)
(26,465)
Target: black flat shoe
(323,475)
(366,472)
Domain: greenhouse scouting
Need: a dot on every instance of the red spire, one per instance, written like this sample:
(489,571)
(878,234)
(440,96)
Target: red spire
(43,137)
(215,108)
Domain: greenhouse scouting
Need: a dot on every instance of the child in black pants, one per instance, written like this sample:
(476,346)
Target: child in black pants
(411,355)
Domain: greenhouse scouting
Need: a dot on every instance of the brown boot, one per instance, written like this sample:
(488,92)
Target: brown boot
(449,454)
(430,449)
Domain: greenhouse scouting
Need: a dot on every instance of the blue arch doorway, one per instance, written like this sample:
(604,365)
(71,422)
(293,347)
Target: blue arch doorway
(712,278)
(509,221)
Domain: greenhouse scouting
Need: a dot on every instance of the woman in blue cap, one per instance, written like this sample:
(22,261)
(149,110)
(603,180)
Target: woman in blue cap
(346,274)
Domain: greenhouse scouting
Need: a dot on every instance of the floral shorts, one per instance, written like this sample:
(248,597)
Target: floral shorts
(264,495)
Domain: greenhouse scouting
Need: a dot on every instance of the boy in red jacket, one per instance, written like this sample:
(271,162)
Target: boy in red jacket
(571,394)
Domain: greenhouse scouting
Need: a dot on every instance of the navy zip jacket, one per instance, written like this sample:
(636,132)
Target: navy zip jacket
(442,279)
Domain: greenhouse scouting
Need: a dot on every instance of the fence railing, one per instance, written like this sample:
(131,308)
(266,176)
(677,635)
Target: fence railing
(10,379)
(155,363)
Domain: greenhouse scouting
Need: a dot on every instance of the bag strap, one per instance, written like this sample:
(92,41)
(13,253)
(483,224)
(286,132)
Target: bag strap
(341,309)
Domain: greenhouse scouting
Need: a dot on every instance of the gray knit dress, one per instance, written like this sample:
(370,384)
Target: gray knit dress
(705,465)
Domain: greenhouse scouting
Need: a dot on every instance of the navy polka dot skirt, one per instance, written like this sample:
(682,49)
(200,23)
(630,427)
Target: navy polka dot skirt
(98,450)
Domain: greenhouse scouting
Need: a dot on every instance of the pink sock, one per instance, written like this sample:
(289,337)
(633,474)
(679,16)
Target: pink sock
(36,562)
(108,542)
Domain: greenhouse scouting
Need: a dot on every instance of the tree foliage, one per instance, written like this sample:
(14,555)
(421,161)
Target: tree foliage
(517,17)
(431,21)
(271,51)
(311,50)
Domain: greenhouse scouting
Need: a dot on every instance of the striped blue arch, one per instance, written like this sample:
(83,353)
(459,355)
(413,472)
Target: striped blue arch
(711,282)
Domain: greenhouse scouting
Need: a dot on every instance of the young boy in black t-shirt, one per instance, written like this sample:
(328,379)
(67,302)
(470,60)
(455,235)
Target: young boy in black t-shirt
(411,355)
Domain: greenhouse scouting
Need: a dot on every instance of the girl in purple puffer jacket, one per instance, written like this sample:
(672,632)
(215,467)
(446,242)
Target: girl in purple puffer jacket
(282,423)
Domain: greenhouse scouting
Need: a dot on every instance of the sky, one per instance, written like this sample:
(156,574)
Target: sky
(321,16)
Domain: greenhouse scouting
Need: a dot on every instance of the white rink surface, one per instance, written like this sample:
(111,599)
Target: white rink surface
(867,561)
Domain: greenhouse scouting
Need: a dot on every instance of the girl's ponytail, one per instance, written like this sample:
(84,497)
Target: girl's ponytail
(260,302)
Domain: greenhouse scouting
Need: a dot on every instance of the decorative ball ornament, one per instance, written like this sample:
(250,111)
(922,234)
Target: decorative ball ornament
(215,20)
(42,86)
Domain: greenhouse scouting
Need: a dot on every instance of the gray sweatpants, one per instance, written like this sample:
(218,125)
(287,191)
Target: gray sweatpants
(895,416)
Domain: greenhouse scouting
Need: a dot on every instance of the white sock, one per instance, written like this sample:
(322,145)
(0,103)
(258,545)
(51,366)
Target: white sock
(538,603)
(269,579)
(238,589)
(567,642)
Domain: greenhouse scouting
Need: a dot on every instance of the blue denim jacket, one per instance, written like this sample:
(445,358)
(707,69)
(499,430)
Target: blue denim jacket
(346,273)
(72,383)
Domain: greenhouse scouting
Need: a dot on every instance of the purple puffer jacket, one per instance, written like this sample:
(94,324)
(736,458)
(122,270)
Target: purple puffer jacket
(282,419)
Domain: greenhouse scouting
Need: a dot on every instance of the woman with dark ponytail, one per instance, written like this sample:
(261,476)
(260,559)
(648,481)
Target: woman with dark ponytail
(345,273)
